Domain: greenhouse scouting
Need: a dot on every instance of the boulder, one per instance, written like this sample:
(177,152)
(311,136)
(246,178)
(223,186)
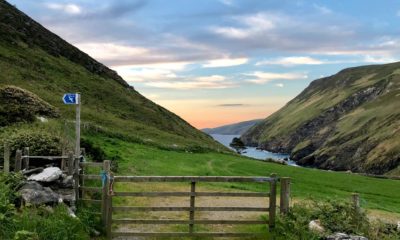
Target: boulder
(344,236)
(315,226)
(398,226)
(49,174)
(36,194)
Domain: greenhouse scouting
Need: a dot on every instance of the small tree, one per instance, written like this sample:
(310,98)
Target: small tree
(238,145)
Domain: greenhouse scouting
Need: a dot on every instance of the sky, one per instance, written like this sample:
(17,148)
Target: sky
(215,62)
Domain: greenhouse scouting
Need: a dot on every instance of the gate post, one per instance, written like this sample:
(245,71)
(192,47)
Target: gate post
(106,170)
(25,161)
(6,158)
(70,163)
(18,159)
(192,202)
(272,202)
(285,195)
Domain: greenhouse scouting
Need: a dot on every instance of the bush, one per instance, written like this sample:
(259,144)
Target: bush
(92,150)
(335,216)
(38,141)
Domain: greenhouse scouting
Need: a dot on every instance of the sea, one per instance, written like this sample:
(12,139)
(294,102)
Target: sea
(253,152)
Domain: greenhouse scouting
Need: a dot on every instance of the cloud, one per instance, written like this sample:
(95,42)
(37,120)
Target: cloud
(290,61)
(322,9)
(68,8)
(204,82)
(227,2)
(111,51)
(281,85)
(225,62)
(232,105)
(252,25)
(264,77)
(378,59)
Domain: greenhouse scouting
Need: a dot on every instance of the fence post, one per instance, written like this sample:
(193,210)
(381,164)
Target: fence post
(6,158)
(70,163)
(76,177)
(109,187)
(25,161)
(18,159)
(272,202)
(192,203)
(285,195)
(355,197)
(63,161)
(106,169)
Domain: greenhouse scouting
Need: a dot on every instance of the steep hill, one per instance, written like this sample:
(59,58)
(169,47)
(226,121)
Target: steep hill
(348,121)
(35,59)
(232,129)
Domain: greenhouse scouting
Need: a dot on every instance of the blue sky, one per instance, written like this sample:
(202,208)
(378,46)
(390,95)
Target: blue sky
(223,61)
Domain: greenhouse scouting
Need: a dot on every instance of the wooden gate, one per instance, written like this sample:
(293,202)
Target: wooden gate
(108,193)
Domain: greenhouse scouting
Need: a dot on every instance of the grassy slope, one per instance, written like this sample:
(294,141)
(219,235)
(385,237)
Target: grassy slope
(143,160)
(377,120)
(108,105)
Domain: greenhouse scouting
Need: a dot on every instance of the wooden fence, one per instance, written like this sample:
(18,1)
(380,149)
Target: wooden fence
(108,208)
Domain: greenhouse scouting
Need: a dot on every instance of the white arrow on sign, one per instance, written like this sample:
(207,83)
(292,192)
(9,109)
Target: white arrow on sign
(71,98)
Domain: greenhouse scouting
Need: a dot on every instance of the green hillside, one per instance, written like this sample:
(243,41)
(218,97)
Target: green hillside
(37,60)
(348,121)
(232,129)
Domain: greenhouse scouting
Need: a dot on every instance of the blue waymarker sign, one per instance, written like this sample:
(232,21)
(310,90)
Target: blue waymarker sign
(71,98)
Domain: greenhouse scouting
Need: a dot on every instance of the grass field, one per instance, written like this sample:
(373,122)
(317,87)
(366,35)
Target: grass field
(135,159)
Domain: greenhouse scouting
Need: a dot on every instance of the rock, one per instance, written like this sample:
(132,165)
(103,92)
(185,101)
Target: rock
(36,194)
(31,171)
(71,213)
(66,195)
(344,236)
(95,232)
(67,182)
(315,226)
(42,119)
(398,226)
(49,174)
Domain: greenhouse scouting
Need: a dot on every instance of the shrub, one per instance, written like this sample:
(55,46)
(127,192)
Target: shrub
(335,216)
(93,150)
(39,142)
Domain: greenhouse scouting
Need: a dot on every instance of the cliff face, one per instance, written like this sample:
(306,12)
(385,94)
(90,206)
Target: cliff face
(349,121)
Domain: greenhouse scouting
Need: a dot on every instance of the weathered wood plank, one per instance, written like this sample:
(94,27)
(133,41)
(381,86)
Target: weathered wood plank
(6,158)
(210,209)
(70,163)
(190,179)
(104,190)
(285,195)
(91,189)
(187,194)
(173,221)
(25,159)
(184,234)
(154,209)
(272,202)
(90,177)
(192,208)
(47,157)
(18,161)
(90,200)
(91,164)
